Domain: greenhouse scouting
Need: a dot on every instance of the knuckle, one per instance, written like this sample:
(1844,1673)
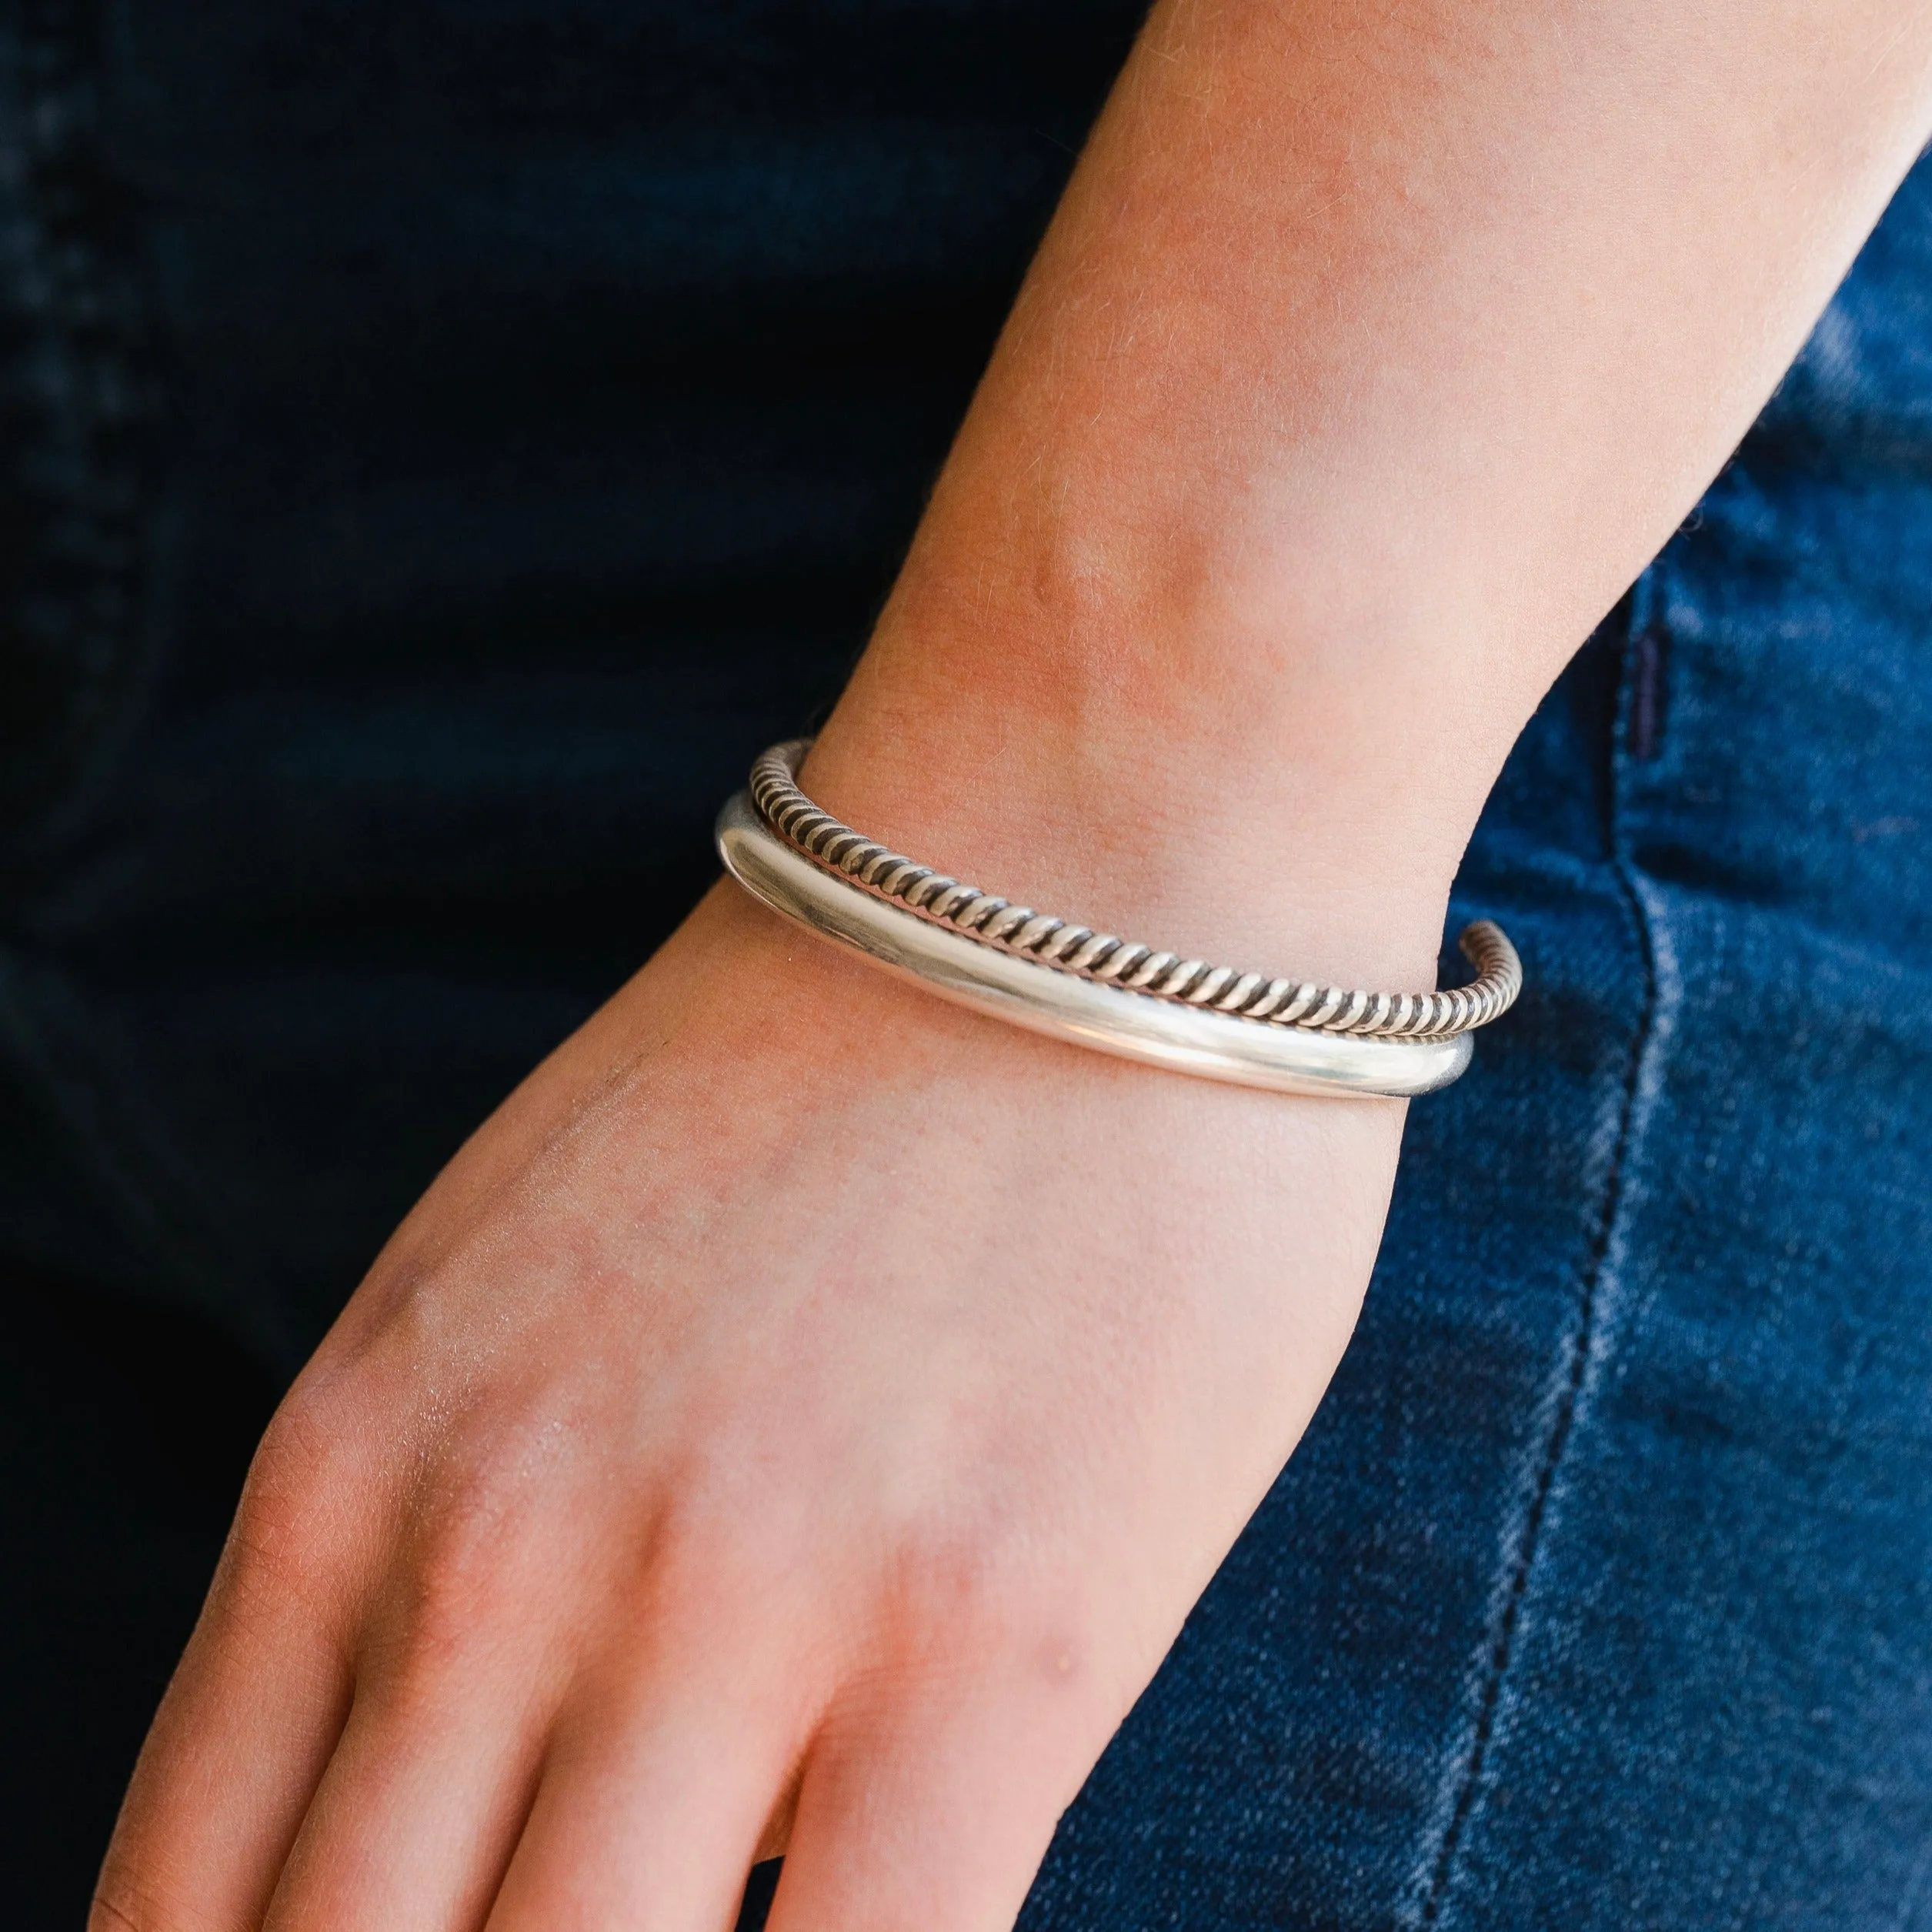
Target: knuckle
(699,1553)
(476,1538)
(309,1445)
(306,1502)
(968,1603)
(456,1581)
(956,1579)
(304,1473)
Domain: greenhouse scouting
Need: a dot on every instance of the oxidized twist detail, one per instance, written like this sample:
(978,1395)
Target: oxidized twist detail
(1065,947)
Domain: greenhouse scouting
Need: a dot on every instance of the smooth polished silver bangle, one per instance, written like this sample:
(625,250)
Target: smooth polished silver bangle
(1093,988)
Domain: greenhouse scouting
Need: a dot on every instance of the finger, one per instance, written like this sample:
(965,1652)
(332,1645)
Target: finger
(936,1813)
(237,1748)
(419,1811)
(462,1654)
(652,1808)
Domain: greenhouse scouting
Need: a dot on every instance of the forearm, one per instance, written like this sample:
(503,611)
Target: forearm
(800,1394)
(1372,352)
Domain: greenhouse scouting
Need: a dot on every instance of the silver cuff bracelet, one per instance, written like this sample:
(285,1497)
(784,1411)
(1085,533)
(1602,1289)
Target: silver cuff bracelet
(1093,988)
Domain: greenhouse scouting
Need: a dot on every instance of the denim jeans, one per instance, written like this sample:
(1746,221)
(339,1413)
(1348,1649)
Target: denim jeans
(1600,1594)
(444,445)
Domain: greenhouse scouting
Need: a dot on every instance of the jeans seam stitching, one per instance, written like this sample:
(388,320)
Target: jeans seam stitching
(1521,1561)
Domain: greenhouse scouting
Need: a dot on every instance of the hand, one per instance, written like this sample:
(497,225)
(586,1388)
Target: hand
(805,1413)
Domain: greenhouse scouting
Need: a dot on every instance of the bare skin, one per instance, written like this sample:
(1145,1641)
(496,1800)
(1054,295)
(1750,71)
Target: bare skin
(804,1414)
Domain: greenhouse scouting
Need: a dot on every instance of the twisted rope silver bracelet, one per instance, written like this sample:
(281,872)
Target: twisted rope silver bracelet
(1093,987)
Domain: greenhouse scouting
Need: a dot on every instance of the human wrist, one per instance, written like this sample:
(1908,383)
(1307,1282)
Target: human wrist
(1275,832)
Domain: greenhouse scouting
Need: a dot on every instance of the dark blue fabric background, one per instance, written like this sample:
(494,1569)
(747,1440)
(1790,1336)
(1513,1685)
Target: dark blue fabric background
(439,446)
(439,443)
